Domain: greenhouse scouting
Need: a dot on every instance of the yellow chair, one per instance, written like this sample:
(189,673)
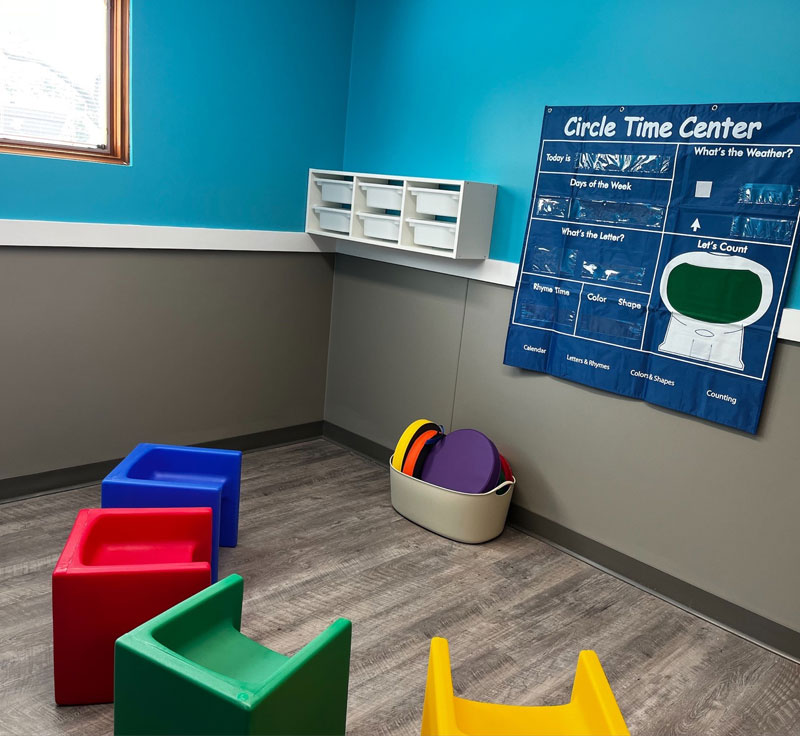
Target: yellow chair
(592,711)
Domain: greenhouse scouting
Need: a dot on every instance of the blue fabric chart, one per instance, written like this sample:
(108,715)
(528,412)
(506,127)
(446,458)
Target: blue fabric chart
(659,247)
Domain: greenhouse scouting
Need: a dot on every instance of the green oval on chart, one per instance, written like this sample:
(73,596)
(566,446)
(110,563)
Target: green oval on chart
(719,295)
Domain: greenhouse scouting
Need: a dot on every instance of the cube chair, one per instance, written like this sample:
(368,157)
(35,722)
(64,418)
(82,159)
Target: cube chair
(190,671)
(167,475)
(592,710)
(118,569)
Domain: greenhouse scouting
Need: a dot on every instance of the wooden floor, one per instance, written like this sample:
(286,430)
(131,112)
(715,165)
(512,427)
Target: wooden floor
(319,539)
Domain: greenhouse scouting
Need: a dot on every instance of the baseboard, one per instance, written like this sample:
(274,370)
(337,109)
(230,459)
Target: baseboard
(63,479)
(734,618)
(353,441)
(23,486)
(268,438)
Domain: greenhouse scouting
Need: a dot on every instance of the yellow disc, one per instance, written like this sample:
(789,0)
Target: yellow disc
(412,431)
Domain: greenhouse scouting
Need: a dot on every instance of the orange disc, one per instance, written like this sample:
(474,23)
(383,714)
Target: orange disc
(415,452)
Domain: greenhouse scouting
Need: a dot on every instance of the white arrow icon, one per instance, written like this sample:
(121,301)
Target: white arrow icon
(695,225)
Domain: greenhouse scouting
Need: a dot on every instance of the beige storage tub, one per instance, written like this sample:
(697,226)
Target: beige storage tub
(464,517)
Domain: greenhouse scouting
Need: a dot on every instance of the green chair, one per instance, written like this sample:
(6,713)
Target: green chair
(189,670)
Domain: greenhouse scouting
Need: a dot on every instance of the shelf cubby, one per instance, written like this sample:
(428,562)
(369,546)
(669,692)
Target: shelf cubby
(330,199)
(441,217)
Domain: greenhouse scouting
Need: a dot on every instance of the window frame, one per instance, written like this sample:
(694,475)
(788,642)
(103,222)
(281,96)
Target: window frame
(118,149)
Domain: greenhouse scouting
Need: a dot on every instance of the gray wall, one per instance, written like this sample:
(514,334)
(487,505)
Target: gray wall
(395,336)
(711,506)
(101,349)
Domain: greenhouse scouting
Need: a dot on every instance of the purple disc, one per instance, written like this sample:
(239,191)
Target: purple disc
(465,460)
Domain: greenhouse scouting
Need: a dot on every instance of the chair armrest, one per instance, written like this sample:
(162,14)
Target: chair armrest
(317,677)
(594,695)
(438,710)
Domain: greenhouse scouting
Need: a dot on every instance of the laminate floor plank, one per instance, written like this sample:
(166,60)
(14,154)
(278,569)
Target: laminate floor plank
(319,539)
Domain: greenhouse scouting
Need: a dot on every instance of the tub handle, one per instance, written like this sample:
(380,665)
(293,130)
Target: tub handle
(503,488)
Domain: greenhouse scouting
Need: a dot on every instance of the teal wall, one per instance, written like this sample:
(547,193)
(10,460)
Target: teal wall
(232,102)
(456,88)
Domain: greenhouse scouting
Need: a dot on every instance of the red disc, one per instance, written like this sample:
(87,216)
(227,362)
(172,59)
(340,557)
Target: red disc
(505,468)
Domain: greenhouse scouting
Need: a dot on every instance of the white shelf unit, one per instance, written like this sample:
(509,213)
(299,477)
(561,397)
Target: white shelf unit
(449,218)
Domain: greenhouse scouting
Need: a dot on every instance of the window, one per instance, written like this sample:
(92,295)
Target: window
(64,78)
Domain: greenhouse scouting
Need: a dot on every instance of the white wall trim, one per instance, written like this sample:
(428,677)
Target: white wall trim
(489,270)
(42,233)
(790,325)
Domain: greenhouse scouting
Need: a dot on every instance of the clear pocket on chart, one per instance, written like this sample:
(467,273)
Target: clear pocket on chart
(762,228)
(780,194)
(544,259)
(635,163)
(612,212)
(553,207)
(603,267)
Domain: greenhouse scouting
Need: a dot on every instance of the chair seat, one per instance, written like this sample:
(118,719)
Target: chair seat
(141,553)
(489,719)
(191,479)
(160,462)
(227,652)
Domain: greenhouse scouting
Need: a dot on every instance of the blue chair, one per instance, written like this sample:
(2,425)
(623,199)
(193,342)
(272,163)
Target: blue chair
(164,476)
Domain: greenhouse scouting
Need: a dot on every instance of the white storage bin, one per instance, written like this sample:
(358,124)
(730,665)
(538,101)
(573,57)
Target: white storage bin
(433,234)
(336,190)
(464,517)
(383,196)
(332,218)
(442,202)
(385,227)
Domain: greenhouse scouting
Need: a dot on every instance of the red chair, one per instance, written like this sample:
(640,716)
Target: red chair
(119,568)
